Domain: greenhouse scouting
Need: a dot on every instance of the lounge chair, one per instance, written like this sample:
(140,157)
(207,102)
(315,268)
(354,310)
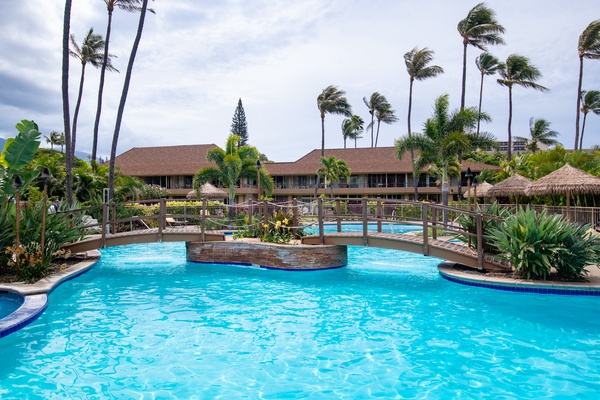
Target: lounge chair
(172,222)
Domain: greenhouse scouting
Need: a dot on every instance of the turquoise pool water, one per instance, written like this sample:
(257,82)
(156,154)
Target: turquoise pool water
(372,227)
(144,323)
(9,302)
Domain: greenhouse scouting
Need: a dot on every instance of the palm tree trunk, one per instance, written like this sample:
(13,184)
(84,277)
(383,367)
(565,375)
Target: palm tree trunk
(76,113)
(578,101)
(101,88)
(410,90)
(377,137)
(344,141)
(464,76)
(65,97)
(115,141)
(480,101)
(509,122)
(322,151)
(582,130)
(372,123)
(412,153)
(445,190)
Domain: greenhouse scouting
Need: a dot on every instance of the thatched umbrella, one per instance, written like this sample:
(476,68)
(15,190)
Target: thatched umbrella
(208,191)
(512,186)
(566,180)
(481,191)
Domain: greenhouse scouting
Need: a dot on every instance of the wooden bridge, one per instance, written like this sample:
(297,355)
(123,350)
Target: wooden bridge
(204,223)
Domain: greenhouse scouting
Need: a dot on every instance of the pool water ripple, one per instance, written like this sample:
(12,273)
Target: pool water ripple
(145,323)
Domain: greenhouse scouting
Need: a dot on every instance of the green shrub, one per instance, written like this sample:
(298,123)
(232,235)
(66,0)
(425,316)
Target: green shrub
(469,223)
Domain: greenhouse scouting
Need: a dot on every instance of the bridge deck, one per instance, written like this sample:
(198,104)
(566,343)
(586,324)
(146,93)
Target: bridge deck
(455,252)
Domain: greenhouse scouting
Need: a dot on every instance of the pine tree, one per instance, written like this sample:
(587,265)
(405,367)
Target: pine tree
(239,126)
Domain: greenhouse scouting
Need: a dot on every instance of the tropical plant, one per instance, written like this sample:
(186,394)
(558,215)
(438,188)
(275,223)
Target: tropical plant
(18,152)
(417,65)
(279,229)
(52,139)
(487,64)
(520,72)
(540,132)
(384,113)
(121,109)
(478,29)
(239,125)
(469,224)
(590,103)
(333,170)
(233,163)
(89,52)
(352,128)
(587,47)
(373,103)
(125,5)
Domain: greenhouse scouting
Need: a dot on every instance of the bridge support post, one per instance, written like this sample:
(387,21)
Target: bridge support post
(203,220)
(365,221)
(479,241)
(338,213)
(425,229)
(433,223)
(379,215)
(321,227)
(294,216)
(104,223)
(162,214)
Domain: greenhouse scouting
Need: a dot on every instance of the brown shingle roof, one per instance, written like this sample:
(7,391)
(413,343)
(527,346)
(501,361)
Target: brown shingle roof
(369,160)
(164,160)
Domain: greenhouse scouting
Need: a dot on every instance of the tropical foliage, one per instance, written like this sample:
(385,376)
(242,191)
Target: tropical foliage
(352,128)
(588,47)
(487,64)
(239,125)
(333,170)
(590,103)
(540,132)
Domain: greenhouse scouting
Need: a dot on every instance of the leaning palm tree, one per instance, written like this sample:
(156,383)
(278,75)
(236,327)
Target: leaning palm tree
(65,98)
(125,5)
(352,128)
(478,29)
(372,104)
(588,47)
(518,71)
(89,52)
(487,64)
(331,101)
(384,113)
(121,110)
(53,139)
(540,132)
(590,102)
(333,170)
(417,65)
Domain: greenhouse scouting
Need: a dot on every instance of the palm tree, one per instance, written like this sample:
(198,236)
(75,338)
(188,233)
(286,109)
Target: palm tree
(588,47)
(417,65)
(89,52)
(373,103)
(590,102)
(331,101)
(443,138)
(487,64)
(333,170)
(518,71)
(53,139)
(352,128)
(65,98)
(233,163)
(384,113)
(115,141)
(125,5)
(478,29)
(540,132)
(61,141)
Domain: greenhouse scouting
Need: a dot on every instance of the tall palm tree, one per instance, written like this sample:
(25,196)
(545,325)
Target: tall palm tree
(487,64)
(540,132)
(478,29)
(443,138)
(417,65)
(352,128)
(384,113)
(518,71)
(115,141)
(89,52)
(233,163)
(590,102)
(333,170)
(53,139)
(65,98)
(588,47)
(373,103)
(331,101)
(125,5)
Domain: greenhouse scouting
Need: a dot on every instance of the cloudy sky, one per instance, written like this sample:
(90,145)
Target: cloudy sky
(198,57)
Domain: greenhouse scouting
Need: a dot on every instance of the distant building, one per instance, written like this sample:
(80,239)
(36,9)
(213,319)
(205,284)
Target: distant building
(375,173)
(518,146)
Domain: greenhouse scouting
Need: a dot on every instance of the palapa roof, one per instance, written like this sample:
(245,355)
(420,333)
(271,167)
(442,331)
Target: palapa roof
(364,160)
(482,190)
(208,191)
(515,185)
(566,179)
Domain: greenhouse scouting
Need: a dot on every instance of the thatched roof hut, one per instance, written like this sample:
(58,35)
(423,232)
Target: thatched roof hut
(513,186)
(208,191)
(482,190)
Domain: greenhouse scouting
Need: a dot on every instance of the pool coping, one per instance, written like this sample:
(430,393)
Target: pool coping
(449,271)
(35,295)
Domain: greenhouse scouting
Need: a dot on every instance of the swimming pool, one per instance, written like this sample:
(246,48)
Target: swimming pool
(146,323)
(9,302)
